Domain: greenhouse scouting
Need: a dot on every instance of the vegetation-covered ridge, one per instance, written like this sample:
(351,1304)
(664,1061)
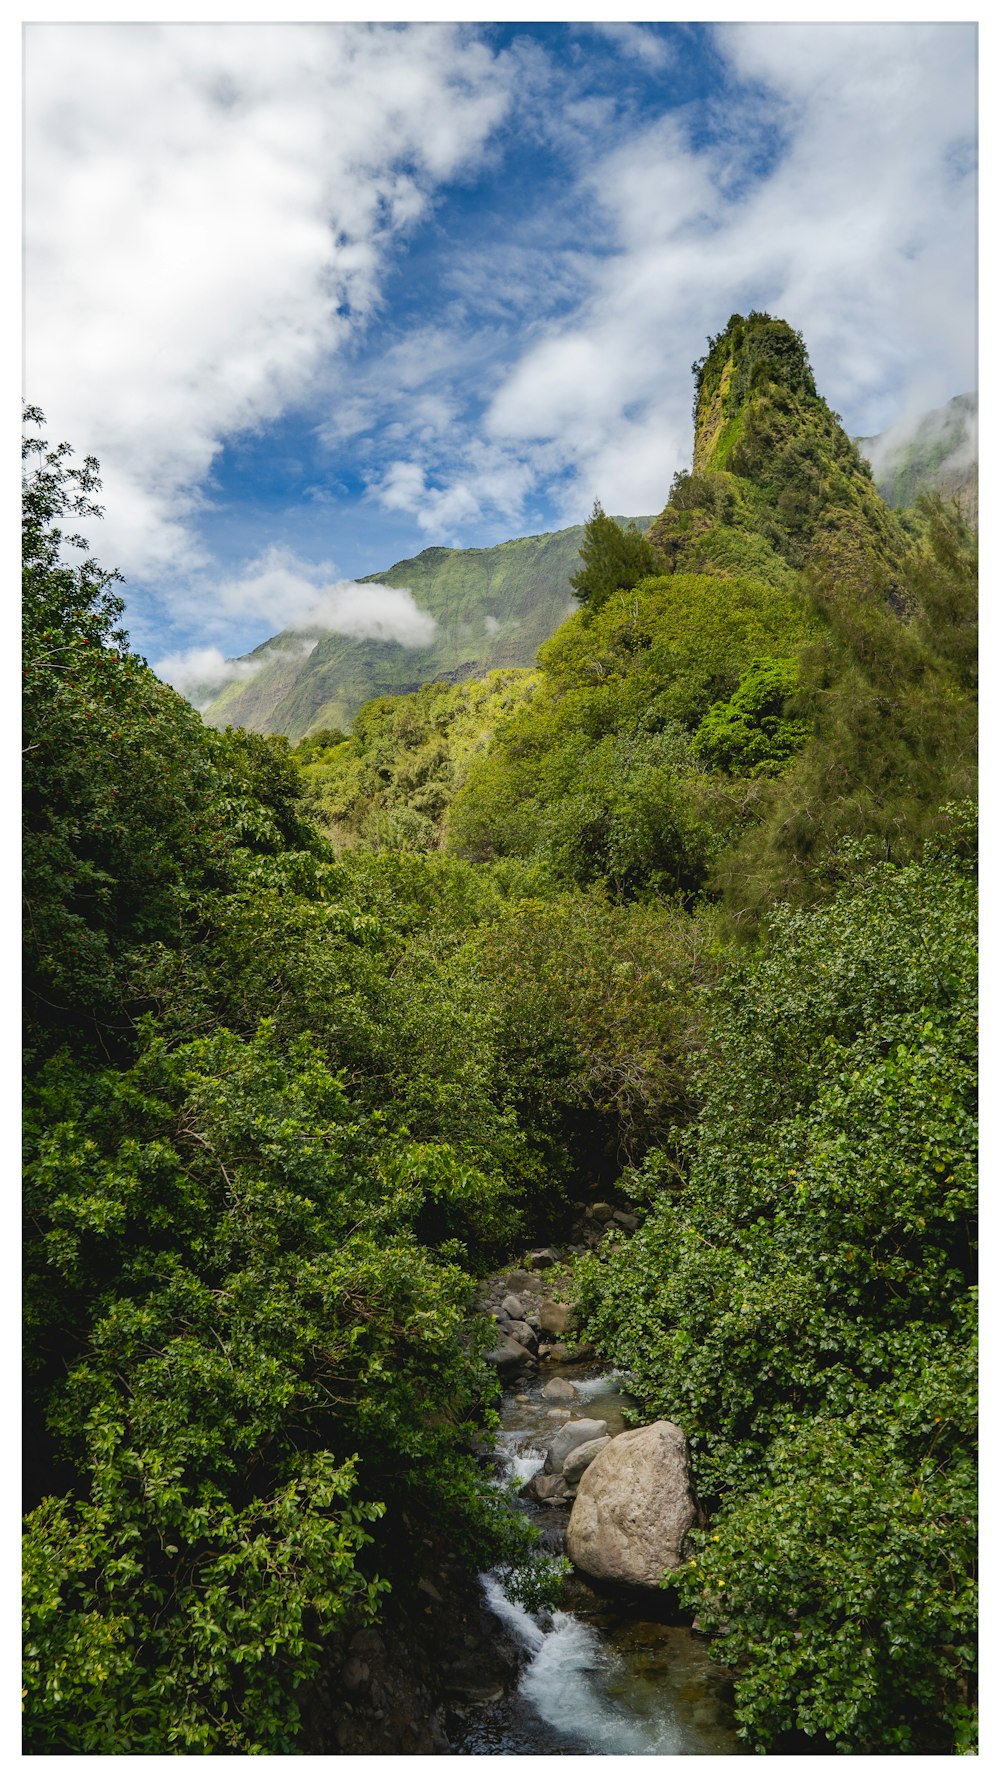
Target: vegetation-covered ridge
(772,464)
(492,608)
(713,720)
(938,453)
(318,1036)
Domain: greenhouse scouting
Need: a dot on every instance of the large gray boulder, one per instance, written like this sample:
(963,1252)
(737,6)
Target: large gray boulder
(634,1508)
(576,1431)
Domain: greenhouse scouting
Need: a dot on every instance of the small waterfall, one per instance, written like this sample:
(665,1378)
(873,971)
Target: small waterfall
(570,1680)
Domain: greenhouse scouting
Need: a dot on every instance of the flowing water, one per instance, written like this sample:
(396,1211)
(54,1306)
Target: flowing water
(603,1676)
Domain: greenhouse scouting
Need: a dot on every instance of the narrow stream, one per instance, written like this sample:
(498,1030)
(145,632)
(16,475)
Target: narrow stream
(601,1677)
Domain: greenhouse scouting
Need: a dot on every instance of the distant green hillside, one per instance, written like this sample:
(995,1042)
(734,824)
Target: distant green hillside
(937,453)
(493,608)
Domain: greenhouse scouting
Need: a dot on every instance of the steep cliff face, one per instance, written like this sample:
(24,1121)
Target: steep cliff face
(776,484)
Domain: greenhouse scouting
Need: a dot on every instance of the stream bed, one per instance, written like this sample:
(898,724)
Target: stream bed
(604,1675)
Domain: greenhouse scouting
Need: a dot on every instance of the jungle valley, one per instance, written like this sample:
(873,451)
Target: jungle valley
(648,963)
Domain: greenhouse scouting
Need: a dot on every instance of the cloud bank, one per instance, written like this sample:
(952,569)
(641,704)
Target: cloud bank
(297,601)
(209,211)
(202,672)
(960,430)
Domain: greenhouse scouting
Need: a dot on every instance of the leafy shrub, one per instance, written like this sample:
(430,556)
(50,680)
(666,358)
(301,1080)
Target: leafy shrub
(802,1307)
(751,735)
(246,1331)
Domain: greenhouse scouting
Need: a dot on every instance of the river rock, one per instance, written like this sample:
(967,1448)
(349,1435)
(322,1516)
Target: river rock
(577,1431)
(559,1391)
(520,1280)
(546,1490)
(543,1258)
(513,1307)
(571,1354)
(510,1359)
(555,1318)
(525,1335)
(634,1507)
(625,1219)
(601,1212)
(581,1458)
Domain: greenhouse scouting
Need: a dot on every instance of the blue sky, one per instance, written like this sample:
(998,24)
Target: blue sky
(321,295)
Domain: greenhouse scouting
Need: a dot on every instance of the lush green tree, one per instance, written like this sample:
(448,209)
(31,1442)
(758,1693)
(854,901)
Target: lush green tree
(804,1307)
(751,735)
(132,809)
(247,1340)
(245,1282)
(613,559)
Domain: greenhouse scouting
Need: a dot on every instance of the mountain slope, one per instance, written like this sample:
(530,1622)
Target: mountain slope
(776,484)
(493,608)
(936,453)
(721,726)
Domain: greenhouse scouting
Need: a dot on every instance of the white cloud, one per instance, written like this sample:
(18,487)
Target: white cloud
(206,670)
(637,41)
(492,483)
(288,594)
(209,210)
(860,231)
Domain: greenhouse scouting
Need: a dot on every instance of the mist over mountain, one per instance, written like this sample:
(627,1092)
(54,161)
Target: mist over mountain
(928,452)
(487,608)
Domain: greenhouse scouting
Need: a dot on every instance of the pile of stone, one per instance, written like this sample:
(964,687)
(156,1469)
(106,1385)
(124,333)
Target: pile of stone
(571,1451)
(532,1324)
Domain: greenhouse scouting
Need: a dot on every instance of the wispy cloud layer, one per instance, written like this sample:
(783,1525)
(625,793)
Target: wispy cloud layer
(299,601)
(202,672)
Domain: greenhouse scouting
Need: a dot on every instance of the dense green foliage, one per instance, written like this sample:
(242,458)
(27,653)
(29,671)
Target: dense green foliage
(389,785)
(612,559)
(248,1248)
(315,1036)
(804,1307)
(251,1289)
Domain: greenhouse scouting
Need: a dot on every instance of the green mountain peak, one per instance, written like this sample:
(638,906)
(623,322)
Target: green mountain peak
(750,358)
(776,484)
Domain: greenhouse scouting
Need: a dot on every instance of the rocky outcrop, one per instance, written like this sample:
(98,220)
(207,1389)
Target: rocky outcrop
(634,1507)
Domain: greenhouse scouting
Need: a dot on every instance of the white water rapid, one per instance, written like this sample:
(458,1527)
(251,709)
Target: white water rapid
(612,1685)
